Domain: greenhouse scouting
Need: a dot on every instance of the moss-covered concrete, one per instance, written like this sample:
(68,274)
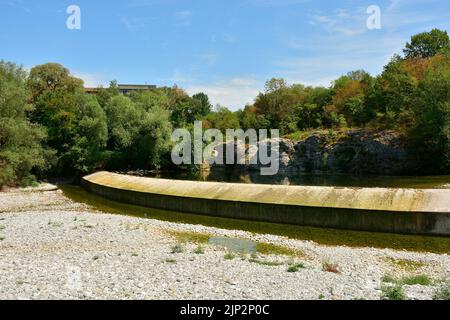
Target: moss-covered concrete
(408,211)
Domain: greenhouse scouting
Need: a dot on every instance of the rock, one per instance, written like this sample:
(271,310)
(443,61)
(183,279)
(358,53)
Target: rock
(357,152)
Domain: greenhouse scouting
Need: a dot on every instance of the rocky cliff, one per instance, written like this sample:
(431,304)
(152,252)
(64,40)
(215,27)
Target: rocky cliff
(352,152)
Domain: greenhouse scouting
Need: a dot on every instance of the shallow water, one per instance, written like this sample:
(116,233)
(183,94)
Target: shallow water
(319,235)
(234,244)
(235,175)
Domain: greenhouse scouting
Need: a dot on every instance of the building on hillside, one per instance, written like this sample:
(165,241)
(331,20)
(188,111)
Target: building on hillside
(125,88)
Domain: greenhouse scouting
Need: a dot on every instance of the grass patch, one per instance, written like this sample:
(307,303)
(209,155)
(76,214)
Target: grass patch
(443,293)
(272,249)
(388,279)
(295,267)
(407,265)
(178,248)
(171,261)
(134,254)
(2,238)
(395,293)
(328,266)
(199,250)
(229,256)
(421,280)
(55,224)
(190,237)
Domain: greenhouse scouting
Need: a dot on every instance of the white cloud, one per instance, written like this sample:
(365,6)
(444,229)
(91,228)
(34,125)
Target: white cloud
(93,80)
(233,93)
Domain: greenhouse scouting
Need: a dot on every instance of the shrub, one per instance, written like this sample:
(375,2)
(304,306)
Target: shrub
(393,293)
(295,267)
(443,293)
(177,249)
(327,266)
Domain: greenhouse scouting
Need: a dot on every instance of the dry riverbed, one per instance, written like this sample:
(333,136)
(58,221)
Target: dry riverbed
(54,248)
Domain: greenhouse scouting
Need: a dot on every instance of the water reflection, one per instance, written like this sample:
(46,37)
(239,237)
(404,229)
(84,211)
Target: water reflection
(236,175)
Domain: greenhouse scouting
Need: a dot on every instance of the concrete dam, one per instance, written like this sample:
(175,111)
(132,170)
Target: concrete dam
(393,210)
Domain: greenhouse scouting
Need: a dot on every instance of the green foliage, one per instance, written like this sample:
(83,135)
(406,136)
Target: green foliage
(139,130)
(75,122)
(177,249)
(90,135)
(229,256)
(123,118)
(443,293)
(395,293)
(295,267)
(428,44)
(21,150)
(203,106)
(51,77)
(199,250)
(431,133)
(422,280)
(223,119)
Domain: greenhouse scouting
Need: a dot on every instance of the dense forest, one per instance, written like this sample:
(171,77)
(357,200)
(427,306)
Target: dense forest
(49,125)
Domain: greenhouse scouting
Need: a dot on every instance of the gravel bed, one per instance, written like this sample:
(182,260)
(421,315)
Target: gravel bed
(54,248)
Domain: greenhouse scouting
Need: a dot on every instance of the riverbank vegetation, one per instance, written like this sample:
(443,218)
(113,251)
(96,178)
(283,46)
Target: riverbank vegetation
(49,125)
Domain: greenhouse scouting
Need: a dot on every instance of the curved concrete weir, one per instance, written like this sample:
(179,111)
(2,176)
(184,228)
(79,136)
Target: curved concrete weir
(409,211)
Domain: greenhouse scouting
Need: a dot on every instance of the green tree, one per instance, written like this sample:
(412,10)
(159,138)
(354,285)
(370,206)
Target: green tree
(222,119)
(52,77)
(427,44)
(139,138)
(431,135)
(204,106)
(21,151)
(123,118)
(88,143)
(75,122)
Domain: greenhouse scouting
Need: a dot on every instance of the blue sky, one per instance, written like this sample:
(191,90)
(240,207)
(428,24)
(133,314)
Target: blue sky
(226,48)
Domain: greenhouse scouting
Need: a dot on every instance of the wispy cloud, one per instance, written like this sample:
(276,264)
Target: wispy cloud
(137,24)
(209,58)
(272,3)
(342,22)
(19,4)
(183,18)
(400,13)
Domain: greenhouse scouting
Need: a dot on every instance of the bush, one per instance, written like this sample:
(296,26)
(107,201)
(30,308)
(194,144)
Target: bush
(393,293)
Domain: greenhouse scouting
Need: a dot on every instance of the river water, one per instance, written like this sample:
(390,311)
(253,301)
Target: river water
(236,176)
